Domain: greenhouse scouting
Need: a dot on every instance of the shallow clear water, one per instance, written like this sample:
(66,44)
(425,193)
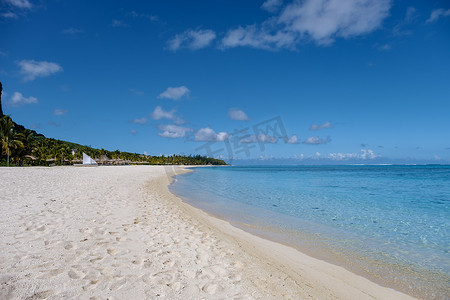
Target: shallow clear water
(391,223)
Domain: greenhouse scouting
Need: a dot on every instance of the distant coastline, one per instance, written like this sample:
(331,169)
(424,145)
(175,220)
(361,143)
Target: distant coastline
(25,147)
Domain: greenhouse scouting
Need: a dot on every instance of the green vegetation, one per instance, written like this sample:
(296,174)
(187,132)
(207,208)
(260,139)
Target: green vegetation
(24,147)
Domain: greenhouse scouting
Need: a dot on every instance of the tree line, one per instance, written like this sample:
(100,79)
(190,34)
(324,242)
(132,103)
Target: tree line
(25,147)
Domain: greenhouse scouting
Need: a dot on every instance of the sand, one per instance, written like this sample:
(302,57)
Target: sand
(118,233)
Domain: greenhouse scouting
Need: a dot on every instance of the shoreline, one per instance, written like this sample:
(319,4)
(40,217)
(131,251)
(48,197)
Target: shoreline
(119,232)
(313,248)
(290,258)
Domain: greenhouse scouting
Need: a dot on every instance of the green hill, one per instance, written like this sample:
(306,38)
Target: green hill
(24,147)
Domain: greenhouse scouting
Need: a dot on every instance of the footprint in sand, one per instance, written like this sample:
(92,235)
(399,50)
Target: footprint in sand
(100,231)
(73,274)
(169,263)
(42,295)
(219,270)
(42,228)
(202,257)
(91,285)
(210,288)
(6,289)
(147,264)
(51,273)
(46,243)
(235,277)
(93,260)
(118,284)
(238,265)
(189,274)
(164,277)
(85,230)
(147,278)
(111,251)
(68,246)
(176,286)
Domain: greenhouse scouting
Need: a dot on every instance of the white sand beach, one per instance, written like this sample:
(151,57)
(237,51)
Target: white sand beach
(118,233)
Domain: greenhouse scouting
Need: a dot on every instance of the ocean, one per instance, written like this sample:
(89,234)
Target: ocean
(388,223)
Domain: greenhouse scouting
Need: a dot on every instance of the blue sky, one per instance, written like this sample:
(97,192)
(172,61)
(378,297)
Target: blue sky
(322,81)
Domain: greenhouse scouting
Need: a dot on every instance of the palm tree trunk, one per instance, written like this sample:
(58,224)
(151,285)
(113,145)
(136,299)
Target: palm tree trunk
(1,111)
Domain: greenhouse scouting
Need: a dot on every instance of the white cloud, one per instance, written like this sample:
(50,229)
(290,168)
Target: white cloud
(320,126)
(159,113)
(324,20)
(342,156)
(133,131)
(262,38)
(365,154)
(32,69)
(321,21)
(260,138)
(272,5)
(60,112)
(249,139)
(209,135)
(300,157)
(173,131)
(18,99)
(410,14)
(135,15)
(139,121)
(293,139)
(315,140)
(368,154)
(437,14)
(136,92)
(53,123)
(385,47)
(175,93)
(72,31)
(402,28)
(12,9)
(265,138)
(9,15)
(192,39)
(118,23)
(24,4)
(237,114)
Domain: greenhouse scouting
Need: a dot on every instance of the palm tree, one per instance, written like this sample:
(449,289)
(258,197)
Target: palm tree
(28,138)
(65,153)
(9,139)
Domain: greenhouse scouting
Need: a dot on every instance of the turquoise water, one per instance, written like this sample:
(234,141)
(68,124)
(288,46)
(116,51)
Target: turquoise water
(390,223)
